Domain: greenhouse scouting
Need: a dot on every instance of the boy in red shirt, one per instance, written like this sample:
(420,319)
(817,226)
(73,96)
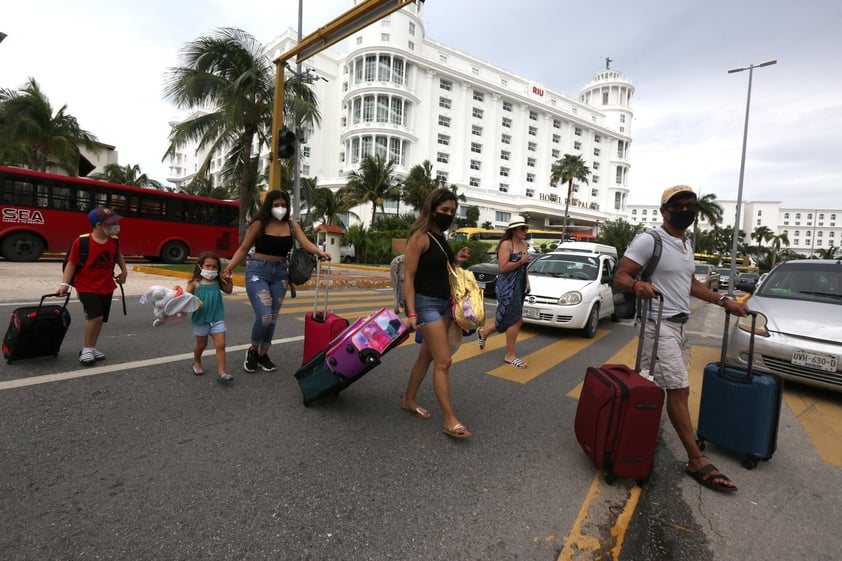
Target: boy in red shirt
(94,279)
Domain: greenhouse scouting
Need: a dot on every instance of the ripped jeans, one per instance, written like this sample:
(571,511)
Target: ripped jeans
(266,286)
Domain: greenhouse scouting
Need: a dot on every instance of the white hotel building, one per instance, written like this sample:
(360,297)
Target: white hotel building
(490,132)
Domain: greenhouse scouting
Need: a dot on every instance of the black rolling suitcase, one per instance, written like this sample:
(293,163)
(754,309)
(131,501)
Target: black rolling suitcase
(36,330)
(740,408)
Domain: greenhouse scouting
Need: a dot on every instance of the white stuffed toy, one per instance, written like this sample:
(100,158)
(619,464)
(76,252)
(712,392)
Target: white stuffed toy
(170,305)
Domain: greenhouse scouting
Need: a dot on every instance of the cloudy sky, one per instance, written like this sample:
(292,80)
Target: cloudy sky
(105,59)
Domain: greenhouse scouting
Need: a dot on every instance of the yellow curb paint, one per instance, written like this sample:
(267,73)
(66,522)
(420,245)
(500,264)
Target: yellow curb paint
(577,542)
(821,418)
(623,520)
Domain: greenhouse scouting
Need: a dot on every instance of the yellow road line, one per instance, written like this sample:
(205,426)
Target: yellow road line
(546,358)
(822,421)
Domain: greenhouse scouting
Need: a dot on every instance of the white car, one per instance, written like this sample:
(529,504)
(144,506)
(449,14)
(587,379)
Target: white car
(572,290)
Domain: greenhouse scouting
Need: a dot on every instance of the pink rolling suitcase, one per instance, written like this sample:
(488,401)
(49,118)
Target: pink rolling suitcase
(320,325)
(362,345)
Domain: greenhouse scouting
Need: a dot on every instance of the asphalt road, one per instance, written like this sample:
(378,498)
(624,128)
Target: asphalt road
(137,458)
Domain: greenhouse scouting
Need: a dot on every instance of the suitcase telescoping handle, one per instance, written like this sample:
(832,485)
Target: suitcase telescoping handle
(643,319)
(318,284)
(54,295)
(723,373)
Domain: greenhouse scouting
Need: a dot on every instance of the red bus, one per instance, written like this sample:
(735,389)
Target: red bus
(44,212)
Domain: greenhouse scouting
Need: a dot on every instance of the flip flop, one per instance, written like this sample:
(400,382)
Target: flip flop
(715,482)
(457,431)
(419,411)
(517,363)
(481,341)
(197,370)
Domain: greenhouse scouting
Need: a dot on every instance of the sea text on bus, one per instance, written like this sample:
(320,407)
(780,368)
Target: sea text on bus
(22,216)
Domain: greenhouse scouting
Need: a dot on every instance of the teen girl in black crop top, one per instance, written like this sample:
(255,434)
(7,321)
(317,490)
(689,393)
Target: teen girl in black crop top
(428,305)
(271,234)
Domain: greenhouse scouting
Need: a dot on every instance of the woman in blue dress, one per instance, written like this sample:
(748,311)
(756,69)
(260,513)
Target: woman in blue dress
(512,285)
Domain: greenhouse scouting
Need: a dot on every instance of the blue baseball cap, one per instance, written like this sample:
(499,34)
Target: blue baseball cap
(103,215)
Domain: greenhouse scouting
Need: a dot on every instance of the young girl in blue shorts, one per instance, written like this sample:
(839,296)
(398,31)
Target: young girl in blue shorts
(209,320)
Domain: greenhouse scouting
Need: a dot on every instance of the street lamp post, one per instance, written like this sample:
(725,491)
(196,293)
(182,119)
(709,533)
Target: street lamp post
(736,235)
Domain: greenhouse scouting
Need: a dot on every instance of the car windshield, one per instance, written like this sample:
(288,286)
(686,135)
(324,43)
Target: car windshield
(580,267)
(702,269)
(812,282)
(724,272)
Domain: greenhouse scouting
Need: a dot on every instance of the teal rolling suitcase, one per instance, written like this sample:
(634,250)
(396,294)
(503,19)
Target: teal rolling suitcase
(740,408)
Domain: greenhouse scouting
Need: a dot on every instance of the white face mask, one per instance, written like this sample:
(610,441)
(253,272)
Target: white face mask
(113,230)
(279,212)
(210,275)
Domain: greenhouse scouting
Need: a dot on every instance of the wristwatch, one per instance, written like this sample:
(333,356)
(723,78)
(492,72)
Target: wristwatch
(722,300)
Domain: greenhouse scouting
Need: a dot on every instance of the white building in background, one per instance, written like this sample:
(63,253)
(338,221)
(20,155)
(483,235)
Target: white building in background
(490,132)
(808,230)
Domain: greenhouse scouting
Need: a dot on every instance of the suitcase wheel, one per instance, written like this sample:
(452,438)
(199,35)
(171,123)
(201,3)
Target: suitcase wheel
(641,482)
(749,462)
(332,362)
(349,348)
(610,477)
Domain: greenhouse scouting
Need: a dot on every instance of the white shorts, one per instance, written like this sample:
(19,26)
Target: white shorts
(212,328)
(670,372)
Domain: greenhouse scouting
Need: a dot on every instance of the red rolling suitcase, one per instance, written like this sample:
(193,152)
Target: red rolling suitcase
(320,326)
(619,415)
(36,330)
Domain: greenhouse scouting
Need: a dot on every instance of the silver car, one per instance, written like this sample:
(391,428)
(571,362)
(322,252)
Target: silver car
(801,337)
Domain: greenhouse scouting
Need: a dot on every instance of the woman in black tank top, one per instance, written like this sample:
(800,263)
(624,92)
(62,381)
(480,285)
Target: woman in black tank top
(271,233)
(428,304)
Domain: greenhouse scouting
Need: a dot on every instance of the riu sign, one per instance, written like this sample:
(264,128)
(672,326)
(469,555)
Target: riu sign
(538,91)
(22,216)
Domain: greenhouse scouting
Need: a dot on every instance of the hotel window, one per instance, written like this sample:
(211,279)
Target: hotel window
(384,37)
(605,98)
(368,108)
(397,70)
(344,121)
(479,96)
(504,82)
(507,106)
(305,170)
(370,68)
(504,217)
(556,138)
(504,171)
(386,21)
(594,192)
(820,233)
(810,216)
(475,71)
(556,153)
(443,59)
(445,84)
(622,118)
(305,151)
(359,41)
(596,152)
(798,216)
(441,176)
(532,146)
(475,164)
(504,188)
(507,122)
(410,45)
(530,162)
(411,28)
(595,178)
(444,121)
(382,109)
(643,212)
(577,131)
(786,215)
(505,155)
(397,111)
(444,140)
(445,102)
(530,178)
(342,156)
(759,213)
(533,131)
(476,130)
(595,165)
(344,86)
(577,145)
(597,138)
(443,157)
(533,115)
(506,139)
(476,147)
(473,181)
(477,113)
(530,192)
(556,124)
(553,101)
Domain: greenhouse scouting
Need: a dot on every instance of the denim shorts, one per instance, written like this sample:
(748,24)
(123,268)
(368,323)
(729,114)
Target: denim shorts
(212,328)
(430,308)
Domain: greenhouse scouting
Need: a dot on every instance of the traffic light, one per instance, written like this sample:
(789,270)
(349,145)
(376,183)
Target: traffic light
(286,143)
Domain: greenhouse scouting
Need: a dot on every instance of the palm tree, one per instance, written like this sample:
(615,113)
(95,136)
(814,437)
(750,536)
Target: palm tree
(328,207)
(619,233)
(762,234)
(565,170)
(228,80)
(126,175)
(418,184)
(202,186)
(374,182)
(710,211)
(777,241)
(31,135)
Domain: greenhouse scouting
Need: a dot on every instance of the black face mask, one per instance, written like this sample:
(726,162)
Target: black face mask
(442,220)
(681,219)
